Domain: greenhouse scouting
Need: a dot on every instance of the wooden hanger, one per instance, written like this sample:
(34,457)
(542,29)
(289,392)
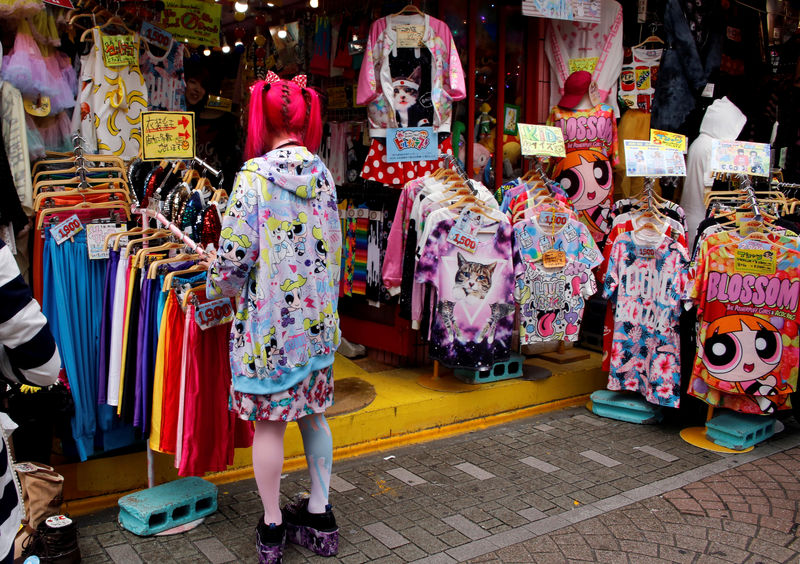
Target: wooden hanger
(124,196)
(158,234)
(152,274)
(219,195)
(141,256)
(192,291)
(190,174)
(409,10)
(43,214)
(169,277)
(117,236)
(651,39)
(116,161)
(113,20)
(110,169)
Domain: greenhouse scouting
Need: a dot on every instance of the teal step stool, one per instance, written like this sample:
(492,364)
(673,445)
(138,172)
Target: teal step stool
(169,505)
(631,408)
(739,431)
(511,368)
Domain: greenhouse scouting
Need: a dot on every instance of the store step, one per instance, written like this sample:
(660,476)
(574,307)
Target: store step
(169,505)
(739,431)
(622,406)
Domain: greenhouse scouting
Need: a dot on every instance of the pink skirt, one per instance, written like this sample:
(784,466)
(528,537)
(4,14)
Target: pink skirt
(312,395)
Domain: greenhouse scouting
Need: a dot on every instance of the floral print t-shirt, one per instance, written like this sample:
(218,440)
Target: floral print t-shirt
(747,293)
(648,282)
(475,304)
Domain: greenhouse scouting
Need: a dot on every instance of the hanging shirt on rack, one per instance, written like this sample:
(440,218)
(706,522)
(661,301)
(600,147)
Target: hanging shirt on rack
(475,308)
(164,77)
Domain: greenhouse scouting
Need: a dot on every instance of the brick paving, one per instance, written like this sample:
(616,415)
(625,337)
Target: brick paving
(565,486)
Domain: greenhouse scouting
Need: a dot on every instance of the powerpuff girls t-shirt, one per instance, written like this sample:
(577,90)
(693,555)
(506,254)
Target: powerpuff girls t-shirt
(475,304)
(747,292)
(594,129)
(648,280)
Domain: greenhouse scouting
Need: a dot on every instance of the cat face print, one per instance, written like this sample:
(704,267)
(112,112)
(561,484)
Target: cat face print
(405,94)
(474,278)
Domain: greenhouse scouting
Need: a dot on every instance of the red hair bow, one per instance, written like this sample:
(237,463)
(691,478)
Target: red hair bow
(301,79)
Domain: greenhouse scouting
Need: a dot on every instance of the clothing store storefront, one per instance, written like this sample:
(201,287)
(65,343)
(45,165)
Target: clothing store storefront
(479,281)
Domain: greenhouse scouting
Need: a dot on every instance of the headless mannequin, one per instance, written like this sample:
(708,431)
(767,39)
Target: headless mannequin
(584,104)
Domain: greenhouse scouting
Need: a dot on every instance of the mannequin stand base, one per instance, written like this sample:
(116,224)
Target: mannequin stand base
(563,355)
(739,431)
(697,436)
(168,506)
(622,406)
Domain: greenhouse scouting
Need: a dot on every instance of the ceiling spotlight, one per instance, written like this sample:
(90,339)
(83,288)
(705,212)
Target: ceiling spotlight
(241,6)
(270,5)
(207,52)
(238,43)
(225,47)
(282,33)
(314,3)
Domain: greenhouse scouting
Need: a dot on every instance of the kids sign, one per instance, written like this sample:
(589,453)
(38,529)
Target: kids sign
(411,144)
(167,135)
(541,140)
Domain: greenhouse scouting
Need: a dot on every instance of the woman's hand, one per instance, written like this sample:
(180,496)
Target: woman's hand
(208,257)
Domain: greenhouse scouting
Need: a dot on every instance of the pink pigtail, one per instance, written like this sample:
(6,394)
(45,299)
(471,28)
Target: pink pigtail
(314,125)
(256,144)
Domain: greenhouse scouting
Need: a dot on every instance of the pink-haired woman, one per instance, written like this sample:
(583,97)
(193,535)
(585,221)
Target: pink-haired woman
(279,254)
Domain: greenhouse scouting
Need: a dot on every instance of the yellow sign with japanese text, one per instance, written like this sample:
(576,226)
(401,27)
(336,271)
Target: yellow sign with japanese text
(541,140)
(167,135)
(669,140)
(195,21)
(120,50)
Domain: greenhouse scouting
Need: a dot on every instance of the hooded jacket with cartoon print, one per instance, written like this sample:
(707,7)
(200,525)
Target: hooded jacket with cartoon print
(279,254)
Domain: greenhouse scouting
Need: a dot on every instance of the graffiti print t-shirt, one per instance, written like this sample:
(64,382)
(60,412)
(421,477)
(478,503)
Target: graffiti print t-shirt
(648,282)
(595,129)
(552,300)
(747,292)
(475,304)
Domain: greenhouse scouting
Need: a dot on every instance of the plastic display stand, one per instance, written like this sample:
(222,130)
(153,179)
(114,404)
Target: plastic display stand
(739,431)
(512,368)
(631,408)
(167,506)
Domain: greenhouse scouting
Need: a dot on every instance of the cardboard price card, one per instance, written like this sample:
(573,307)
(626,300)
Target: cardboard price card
(740,157)
(167,135)
(643,158)
(541,140)
(120,50)
(156,36)
(409,144)
(669,140)
(196,21)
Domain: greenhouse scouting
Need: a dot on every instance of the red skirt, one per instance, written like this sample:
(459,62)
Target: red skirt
(397,174)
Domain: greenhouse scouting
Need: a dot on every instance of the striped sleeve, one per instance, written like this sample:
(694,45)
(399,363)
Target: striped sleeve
(24,331)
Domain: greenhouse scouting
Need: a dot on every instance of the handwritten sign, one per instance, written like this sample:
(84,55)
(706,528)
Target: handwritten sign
(411,144)
(587,64)
(670,140)
(120,50)
(337,98)
(409,35)
(213,313)
(740,157)
(156,36)
(643,158)
(96,234)
(167,135)
(195,21)
(541,140)
(66,229)
(755,261)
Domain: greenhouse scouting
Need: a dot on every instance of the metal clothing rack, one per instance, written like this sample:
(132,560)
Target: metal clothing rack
(453,162)
(159,217)
(746,184)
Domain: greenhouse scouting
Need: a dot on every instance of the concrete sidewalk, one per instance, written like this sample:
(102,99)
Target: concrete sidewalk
(565,486)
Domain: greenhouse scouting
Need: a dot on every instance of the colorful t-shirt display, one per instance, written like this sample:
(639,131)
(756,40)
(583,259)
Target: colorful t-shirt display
(475,304)
(166,88)
(637,82)
(594,128)
(747,292)
(648,280)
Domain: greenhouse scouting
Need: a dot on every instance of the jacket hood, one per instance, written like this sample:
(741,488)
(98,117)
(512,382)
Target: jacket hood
(294,169)
(723,120)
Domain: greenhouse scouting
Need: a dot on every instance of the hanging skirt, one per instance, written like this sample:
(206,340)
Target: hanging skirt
(397,174)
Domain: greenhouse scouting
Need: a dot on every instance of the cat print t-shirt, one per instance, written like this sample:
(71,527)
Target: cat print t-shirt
(411,87)
(474,314)
(648,281)
(747,293)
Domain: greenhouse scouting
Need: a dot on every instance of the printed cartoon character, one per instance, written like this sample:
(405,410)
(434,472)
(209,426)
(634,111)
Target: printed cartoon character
(252,294)
(405,97)
(321,247)
(297,234)
(234,247)
(292,297)
(250,365)
(241,206)
(280,235)
(239,335)
(313,328)
(740,161)
(329,325)
(586,178)
(270,353)
(743,351)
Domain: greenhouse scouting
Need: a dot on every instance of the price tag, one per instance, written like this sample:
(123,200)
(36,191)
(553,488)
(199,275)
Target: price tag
(156,36)
(66,229)
(58,521)
(646,253)
(219,103)
(708,91)
(554,259)
(550,219)
(755,261)
(213,313)
(120,50)
(541,140)
(462,240)
(409,35)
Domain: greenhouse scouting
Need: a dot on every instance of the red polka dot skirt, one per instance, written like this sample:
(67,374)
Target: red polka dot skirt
(397,174)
